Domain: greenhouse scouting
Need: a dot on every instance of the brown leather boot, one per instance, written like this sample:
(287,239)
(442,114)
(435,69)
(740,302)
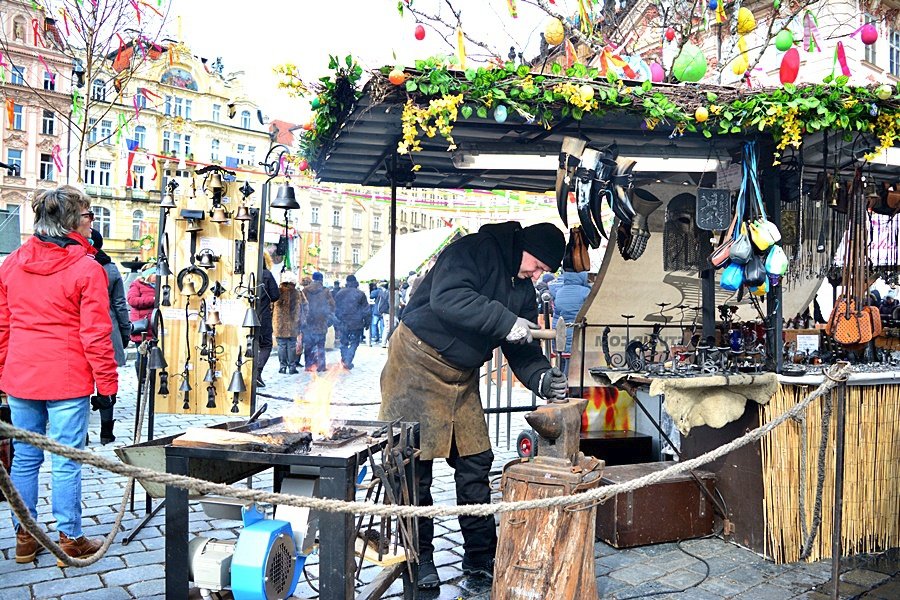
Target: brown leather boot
(26,546)
(82,547)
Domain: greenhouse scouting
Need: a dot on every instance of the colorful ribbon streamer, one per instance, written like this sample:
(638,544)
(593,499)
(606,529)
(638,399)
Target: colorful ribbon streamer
(121,48)
(3,66)
(56,153)
(840,57)
(810,32)
(129,175)
(461,47)
(137,9)
(77,106)
(123,126)
(608,59)
(511,5)
(584,16)
(720,12)
(47,69)
(137,109)
(35,26)
(155,169)
(10,111)
(65,15)
(148,5)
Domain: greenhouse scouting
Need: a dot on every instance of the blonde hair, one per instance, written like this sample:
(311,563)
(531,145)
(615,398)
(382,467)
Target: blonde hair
(57,212)
(267,259)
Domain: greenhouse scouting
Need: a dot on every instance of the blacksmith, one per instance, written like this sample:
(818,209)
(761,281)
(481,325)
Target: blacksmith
(479,295)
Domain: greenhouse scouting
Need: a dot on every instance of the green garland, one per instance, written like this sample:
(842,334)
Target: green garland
(435,94)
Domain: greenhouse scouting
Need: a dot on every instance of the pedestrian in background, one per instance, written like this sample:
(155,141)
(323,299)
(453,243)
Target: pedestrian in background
(319,316)
(268,293)
(569,298)
(118,314)
(55,351)
(351,311)
(378,296)
(142,299)
(286,322)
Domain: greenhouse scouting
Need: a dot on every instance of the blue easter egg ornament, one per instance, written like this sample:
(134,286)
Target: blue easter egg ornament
(500,113)
(713,5)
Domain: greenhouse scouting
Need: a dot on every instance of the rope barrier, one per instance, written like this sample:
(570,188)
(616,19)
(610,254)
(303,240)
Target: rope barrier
(838,375)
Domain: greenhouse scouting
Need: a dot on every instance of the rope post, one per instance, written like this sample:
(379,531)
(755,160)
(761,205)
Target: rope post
(840,397)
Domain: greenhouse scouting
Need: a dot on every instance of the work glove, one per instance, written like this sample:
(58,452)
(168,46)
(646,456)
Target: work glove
(554,384)
(102,401)
(521,331)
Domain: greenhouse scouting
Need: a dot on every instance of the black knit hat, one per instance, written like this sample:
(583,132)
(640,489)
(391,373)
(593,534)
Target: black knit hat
(97,239)
(545,242)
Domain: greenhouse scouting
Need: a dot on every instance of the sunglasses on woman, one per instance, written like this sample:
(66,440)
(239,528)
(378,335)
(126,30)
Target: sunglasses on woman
(89,214)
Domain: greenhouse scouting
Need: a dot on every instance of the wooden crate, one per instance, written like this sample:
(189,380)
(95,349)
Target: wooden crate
(670,510)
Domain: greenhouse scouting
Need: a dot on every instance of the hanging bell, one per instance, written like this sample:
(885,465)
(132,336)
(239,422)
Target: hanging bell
(206,259)
(243,214)
(185,384)
(168,200)
(219,215)
(246,190)
(234,404)
(212,318)
(163,383)
(188,289)
(187,401)
(193,225)
(285,198)
(237,382)
(210,397)
(251,319)
(156,361)
(210,375)
(162,267)
(215,182)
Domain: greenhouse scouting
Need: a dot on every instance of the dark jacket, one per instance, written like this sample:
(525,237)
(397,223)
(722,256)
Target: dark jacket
(467,304)
(268,294)
(54,322)
(118,310)
(320,309)
(575,289)
(351,308)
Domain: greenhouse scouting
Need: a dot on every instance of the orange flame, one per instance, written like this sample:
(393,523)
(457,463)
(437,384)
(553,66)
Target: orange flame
(312,410)
(608,409)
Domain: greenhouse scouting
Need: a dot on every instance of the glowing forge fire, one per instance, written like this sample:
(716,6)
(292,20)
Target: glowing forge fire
(312,411)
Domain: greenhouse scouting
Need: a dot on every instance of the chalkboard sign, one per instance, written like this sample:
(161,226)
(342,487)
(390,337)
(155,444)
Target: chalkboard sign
(713,209)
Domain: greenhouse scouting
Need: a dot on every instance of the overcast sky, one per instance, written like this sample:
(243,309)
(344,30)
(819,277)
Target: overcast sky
(254,35)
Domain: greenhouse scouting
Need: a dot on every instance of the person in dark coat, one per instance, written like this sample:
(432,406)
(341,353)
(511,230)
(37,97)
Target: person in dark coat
(380,305)
(479,296)
(320,315)
(574,291)
(141,298)
(351,311)
(268,294)
(118,314)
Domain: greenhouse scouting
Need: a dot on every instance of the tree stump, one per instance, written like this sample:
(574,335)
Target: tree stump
(547,554)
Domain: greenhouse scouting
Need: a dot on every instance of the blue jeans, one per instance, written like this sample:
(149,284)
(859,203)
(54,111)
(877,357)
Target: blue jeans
(349,343)
(376,329)
(68,421)
(314,351)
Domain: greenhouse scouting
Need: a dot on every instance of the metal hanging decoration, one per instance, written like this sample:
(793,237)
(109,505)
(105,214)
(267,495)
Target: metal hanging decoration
(237,385)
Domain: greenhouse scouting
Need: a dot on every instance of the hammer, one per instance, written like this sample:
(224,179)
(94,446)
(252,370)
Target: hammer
(558,333)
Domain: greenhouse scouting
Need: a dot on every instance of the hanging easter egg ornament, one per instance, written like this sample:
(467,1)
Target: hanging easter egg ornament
(397,77)
(420,32)
(316,103)
(883,92)
(713,5)
(586,92)
(868,34)
(500,113)
(790,66)
(784,40)
(690,65)
(746,22)
(670,34)
(657,74)
(554,33)
(701,114)
(303,164)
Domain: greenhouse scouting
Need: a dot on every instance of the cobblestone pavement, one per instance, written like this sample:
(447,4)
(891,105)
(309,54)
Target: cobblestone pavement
(713,570)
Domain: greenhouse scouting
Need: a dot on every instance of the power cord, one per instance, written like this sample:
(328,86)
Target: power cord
(690,587)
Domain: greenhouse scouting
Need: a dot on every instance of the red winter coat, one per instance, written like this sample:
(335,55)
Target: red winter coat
(141,296)
(54,322)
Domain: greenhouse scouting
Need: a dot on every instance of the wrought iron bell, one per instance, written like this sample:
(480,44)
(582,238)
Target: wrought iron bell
(163,383)
(162,267)
(188,289)
(237,384)
(206,259)
(156,361)
(219,215)
(215,182)
(210,375)
(212,318)
(285,198)
(168,200)
(251,319)
(243,214)
(185,384)
(210,397)
(193,225)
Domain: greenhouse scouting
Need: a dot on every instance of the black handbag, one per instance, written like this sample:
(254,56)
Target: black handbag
(140,326)
(754,271)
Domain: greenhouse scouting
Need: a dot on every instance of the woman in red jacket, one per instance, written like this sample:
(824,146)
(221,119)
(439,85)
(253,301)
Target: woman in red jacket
(55,349)
(141,299)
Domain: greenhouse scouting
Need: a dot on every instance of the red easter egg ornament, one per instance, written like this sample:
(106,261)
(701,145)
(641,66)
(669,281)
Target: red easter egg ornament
(420,32)
(790,66)
(670,34)
(868,34)
(303,165)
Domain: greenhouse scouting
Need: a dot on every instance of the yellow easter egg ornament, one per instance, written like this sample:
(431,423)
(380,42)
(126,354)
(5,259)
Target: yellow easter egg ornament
(740,65)
(701,114)
(554,33)
(586,92)
(883,92)
(746,22)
